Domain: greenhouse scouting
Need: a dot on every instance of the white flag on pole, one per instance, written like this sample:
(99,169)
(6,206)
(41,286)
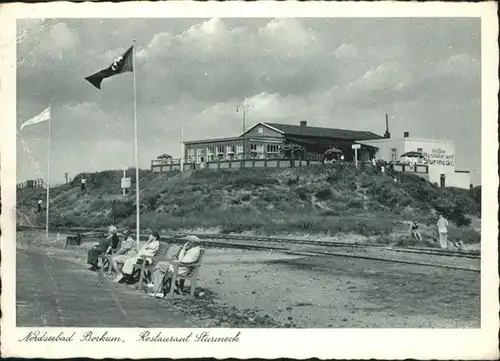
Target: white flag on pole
(45,115)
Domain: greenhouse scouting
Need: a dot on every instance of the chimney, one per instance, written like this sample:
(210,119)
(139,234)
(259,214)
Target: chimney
(303,123)
(387,133)
(406,134)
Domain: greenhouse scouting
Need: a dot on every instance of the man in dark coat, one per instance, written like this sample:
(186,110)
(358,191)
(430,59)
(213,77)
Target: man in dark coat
(104,246)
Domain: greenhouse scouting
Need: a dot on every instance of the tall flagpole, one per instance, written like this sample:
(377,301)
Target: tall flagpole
(182,139)
(137,205)
(48,177)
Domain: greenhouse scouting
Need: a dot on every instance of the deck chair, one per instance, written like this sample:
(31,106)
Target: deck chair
(192,276)
(147,269)
(107,261)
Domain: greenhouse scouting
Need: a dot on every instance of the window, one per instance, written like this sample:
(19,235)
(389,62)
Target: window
(220,149)
(272,150)
(210,152)
(260,130)
(190,157)
(230,149)
(393,154)
(239,149)
(253,150)
(260,151)
(200,155)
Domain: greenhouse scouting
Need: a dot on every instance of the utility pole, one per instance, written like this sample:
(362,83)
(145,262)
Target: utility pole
(244,107)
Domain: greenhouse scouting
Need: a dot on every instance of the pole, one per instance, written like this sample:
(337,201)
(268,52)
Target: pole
(137,197)
(182,140)
(356,157)
(244,106)
(244,117)
(124,175)
(48,177)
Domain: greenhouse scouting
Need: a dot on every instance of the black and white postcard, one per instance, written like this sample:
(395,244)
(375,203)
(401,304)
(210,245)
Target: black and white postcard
(262,179)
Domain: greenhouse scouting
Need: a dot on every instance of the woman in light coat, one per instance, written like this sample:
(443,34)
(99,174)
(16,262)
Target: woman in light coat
(147,252)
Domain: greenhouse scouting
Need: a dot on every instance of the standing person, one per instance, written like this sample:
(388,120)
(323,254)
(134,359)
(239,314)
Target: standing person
(83,184)
(104,246)
(39,206)
(442,225)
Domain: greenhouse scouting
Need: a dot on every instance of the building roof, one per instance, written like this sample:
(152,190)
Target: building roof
(308,131)
(213,140)
(409,139)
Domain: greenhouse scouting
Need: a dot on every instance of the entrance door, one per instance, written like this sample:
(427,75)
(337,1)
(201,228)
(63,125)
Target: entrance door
(442,181)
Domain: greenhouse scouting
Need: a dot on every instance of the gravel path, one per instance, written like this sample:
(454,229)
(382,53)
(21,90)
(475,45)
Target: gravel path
(247,289)
(55,292)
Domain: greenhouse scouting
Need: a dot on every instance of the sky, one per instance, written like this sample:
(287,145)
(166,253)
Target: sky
(332,72)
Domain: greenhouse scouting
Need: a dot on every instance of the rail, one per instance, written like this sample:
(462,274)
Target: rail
(167,166)
(256,239)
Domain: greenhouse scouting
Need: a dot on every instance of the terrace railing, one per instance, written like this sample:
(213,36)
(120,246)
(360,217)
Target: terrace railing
(157,166)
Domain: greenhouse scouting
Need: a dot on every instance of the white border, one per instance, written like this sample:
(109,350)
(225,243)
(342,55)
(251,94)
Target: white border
(271,343)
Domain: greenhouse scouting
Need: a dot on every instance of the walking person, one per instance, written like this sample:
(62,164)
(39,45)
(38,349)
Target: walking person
(39,206)
(442,225)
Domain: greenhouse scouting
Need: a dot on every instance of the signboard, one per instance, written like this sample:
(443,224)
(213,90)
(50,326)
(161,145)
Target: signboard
(439,156)
(356,146)
(126,183)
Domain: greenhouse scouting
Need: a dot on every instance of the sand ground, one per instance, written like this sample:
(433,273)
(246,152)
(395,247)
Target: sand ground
(246,289)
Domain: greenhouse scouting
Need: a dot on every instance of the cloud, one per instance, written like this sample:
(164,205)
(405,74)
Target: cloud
(345,52)
(345,73)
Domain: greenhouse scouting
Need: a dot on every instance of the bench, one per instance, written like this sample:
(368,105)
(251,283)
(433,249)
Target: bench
(74,240)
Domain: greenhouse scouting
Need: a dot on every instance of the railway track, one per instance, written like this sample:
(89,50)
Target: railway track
(308,253)
(257,243)
(433,251)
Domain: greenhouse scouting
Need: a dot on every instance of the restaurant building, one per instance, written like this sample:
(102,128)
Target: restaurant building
(437,155)
(278,141)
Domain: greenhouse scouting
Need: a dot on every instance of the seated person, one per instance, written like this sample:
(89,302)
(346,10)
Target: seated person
(161,268)
(189,254)
(104,246)
(146,253)
(126,251)
(415,230)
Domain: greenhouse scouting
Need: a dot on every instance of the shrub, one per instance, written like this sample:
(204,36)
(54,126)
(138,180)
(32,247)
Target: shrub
(124,209)
(242,182)
(355,203)
(302,193)
(324,194)
(457,216)
(465,234)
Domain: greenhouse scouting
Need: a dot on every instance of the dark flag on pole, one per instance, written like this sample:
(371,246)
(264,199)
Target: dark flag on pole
(120,65)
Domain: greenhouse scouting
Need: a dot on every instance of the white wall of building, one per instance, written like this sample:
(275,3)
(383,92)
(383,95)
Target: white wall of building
(459,180)
(439,155)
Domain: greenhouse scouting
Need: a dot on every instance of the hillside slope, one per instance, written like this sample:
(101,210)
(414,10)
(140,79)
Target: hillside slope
(322,199)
